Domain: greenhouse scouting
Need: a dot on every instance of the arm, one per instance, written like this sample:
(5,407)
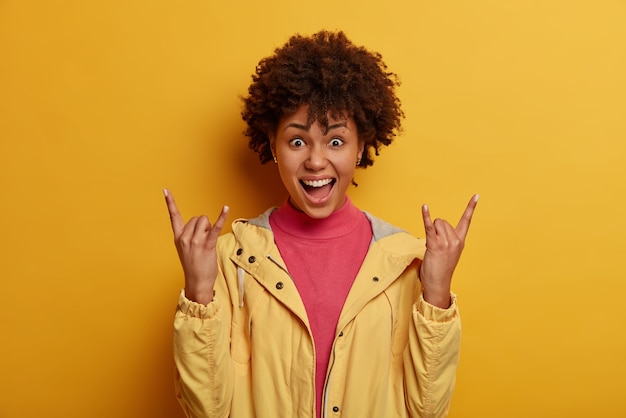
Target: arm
(431,359)
(204,373)
(432,355)
(201,326)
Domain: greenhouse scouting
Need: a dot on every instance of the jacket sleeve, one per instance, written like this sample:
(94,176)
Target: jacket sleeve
(204,372)
(431,359)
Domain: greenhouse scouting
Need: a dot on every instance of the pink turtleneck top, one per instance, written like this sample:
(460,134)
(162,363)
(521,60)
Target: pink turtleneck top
(323,257)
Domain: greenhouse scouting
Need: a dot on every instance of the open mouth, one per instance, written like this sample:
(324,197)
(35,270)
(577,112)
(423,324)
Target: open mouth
(318,190)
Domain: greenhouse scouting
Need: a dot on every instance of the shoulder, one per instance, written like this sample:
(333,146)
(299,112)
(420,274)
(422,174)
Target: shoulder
(246,232)
(395,239)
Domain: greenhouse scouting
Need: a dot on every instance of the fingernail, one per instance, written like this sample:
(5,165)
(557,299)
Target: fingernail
(476,196)
(165,192)
(425,208)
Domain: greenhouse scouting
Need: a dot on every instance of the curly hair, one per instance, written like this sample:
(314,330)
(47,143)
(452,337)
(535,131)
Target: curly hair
(330,74)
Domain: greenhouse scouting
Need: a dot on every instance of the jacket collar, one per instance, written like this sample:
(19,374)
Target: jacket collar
(380,229)
(391,251)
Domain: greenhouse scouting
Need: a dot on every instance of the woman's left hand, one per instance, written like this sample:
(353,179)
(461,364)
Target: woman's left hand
(444,245)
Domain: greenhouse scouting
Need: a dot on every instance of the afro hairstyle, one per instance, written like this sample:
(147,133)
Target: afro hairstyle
(330,74)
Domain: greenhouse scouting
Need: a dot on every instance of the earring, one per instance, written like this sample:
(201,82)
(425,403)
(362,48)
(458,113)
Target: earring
(275,160)
(358,162)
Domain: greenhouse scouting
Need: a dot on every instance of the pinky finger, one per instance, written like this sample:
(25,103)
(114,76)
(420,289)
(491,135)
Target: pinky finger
(428,223)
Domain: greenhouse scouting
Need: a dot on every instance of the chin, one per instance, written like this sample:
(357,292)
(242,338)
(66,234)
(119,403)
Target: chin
(321,211)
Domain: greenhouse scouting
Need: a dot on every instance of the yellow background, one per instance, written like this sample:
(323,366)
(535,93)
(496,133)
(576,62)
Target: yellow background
(104,103)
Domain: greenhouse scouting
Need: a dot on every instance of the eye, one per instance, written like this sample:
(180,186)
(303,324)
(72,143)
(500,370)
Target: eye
(296,142)
(336,142)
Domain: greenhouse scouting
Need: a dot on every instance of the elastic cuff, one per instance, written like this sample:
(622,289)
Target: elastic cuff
(195,309)
(434,313)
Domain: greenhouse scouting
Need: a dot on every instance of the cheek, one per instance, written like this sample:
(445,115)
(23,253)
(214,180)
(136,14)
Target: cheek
(288,174)
(348,167)
(286,166)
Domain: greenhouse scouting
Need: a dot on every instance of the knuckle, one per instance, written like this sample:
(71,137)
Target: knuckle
(198,239)
(457,244)
(182,242)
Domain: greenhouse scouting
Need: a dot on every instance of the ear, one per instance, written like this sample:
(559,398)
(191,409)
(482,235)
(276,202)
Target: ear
(272,145)
(361,149)
(272,140)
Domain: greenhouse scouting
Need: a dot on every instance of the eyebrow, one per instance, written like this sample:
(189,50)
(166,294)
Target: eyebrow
(306,128)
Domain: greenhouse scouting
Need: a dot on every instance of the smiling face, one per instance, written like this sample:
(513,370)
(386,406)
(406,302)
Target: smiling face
(316,167)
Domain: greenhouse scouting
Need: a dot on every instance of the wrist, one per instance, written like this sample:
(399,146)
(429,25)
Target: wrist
(438,294)
(201,296)
(440,298)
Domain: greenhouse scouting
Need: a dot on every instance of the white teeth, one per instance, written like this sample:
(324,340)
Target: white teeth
(317,183)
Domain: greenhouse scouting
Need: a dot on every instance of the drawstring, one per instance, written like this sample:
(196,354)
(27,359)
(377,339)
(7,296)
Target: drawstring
(240,276)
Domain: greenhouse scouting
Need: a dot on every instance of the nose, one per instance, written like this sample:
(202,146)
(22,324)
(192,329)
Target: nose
(317,159)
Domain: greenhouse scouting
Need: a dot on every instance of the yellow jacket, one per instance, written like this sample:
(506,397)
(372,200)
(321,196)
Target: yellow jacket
(249,353)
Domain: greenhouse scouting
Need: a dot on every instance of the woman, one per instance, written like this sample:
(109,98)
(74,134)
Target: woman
(316,308)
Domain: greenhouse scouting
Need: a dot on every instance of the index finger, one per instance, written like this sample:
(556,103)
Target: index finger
(429,228)
(175,217)
(464,223)
(219,224)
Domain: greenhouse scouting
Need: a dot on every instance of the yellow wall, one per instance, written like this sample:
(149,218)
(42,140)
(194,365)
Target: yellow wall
(104,103)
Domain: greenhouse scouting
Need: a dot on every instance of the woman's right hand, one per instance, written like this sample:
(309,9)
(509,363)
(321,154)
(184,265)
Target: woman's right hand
(196,245)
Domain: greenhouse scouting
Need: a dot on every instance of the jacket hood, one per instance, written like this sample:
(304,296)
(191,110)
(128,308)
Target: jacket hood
(405,245)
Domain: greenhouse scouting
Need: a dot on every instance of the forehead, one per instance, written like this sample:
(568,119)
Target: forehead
(305,118)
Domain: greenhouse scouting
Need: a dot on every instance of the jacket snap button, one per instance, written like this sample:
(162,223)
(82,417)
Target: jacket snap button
(375,279)
(341,334)
(335,409)
(279,285)
(239,251)
(251,259)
